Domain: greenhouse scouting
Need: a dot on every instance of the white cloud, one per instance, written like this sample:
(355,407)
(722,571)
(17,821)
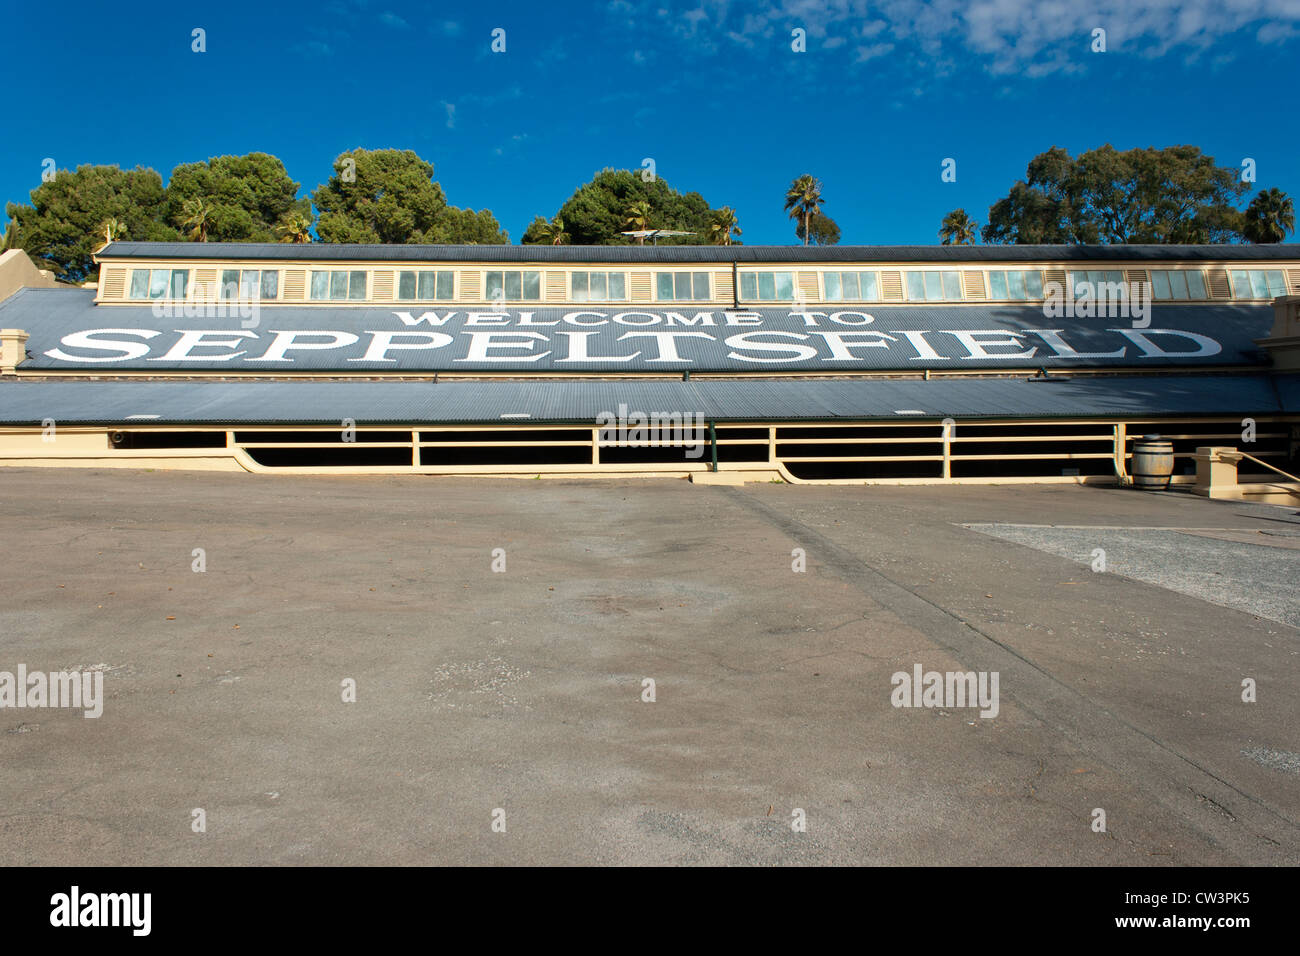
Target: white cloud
(1013,37)
(389,19)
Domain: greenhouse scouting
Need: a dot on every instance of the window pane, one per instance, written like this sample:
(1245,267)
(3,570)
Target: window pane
(1078,280)
(850,283)
(597,286)
(1196,285)
(229,283)
(951,285)
(869,291)
(1178,285)
(1160,285)
(664,285)
(158,279)
(617,285)
(1034,284)
(338,285)
(748,286)
(916,285)
(1258,284)
(532,285)
(495,287)
(998,285)
(682,285)
(514,286)
(833,287)
(444,285)
(180,282)
(357,285)
(270,283)
(139,283)
(1276,286)
(784,285)
(250,281)
(580,287)
(424,285)
(933,286)
(406,285)
(320,285)
(766,286)
(1015,284)
(701,280)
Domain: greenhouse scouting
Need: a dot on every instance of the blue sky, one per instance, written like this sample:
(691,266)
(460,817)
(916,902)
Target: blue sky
(710,89)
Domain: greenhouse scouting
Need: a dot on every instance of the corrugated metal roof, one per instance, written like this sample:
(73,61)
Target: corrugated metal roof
(353,252)
(473,402)
(51,315)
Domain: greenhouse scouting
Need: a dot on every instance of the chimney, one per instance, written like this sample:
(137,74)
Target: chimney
(13,350)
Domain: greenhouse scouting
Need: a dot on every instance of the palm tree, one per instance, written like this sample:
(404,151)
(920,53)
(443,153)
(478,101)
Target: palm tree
(113,229)
(958,228)
(723,226)
(1269,217)
(802,199)
(295,227)
(198,218)
(638,217)
(553,231)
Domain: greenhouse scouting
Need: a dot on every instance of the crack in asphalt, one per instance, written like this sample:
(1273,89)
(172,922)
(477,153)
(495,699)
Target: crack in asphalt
(1129,750)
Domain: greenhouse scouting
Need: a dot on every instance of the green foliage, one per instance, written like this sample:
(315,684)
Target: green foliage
(958,228)
(803,200)
(295,228)
(64,225)
(1269,217)
(543,231)
(393,198)
(1171,195)
(822,229)
(724,227)
(598,212)
(245,198)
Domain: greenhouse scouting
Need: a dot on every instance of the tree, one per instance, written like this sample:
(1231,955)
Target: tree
(958,228)
(543,231)
(389,195)
(1171,195)
(1269,217)
(247,197)
(196,219)
(597,212)
(824,231)
(295,227)
(113,230)
(638,215)
(10,238)
(63,227)
(723,226)
(802,199)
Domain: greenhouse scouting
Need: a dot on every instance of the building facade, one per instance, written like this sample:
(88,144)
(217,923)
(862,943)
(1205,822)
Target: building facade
(856,364)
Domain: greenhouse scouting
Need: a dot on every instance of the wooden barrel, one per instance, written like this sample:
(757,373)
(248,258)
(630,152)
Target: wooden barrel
(1153,463)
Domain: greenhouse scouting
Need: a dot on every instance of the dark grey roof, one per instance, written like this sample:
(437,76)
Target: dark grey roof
(51,315)
(472,402)
(345,252)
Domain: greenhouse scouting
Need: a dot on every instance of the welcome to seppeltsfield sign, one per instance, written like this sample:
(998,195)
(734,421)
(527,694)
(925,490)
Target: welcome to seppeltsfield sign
(307,338)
